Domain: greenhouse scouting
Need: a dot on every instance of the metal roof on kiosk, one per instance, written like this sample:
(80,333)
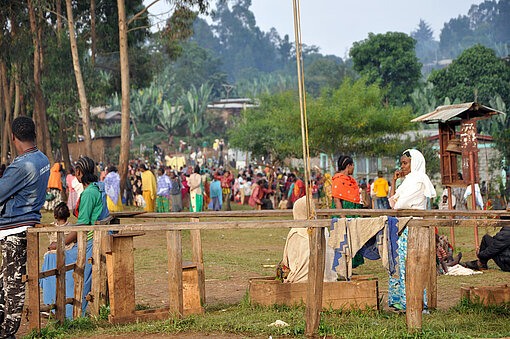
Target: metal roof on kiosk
(469,110)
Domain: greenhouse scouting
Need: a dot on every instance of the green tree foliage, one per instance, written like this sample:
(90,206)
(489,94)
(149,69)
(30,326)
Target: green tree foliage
(248,53)
(426,46)
(478,68)
(423,32)
(338,123)
(194,67)
(322,73)
(341,120)
(388,59)
(107,32)
(262,83)
(270,130)
(486,23)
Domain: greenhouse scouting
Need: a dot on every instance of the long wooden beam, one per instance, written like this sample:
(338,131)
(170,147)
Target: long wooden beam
(260,224)
(321,212)
(165,226)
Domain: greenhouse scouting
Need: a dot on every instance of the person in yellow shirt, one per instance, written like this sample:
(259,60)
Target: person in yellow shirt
(149,188)
(381,188)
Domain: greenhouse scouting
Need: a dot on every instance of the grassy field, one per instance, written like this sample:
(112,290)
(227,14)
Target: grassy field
(232,256)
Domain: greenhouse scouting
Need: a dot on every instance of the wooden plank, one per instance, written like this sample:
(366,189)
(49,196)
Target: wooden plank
(47,308)
(191,291)
(492,295)
(143,316)
(174,251)
(95,288)
(34,297)
(103,282)
(195,225)
(79,272)
(458,223)
(60,284)
(121,279)
(464,292)
(265,224)
(198,258)
(432,283)
(417,275)
(53,271)
(322,212)
(315,281)
(359,294)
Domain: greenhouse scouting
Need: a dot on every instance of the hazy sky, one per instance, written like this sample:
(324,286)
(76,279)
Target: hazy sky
(334,25)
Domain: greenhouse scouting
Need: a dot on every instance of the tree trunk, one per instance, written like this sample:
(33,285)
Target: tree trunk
(17,95)
(93,31)
(41,124)
(124,71)
(59,21)
(17,102)
(8,113)
(63,143)
(11,113)
(62,122)
(85,112)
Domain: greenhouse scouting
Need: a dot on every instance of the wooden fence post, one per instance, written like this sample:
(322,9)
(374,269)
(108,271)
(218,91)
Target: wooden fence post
(98,285)
(198,259)
(432,282)
(60,284)
(417,275)
(315,281)
(174,250)
(79,272)
(34,321)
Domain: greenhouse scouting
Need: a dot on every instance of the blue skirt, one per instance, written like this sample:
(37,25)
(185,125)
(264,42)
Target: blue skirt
(49,284)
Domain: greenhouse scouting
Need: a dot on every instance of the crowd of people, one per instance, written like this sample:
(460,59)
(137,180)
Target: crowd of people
(90,192)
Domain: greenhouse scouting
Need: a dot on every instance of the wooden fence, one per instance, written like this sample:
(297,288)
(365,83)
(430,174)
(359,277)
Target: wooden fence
(421,271)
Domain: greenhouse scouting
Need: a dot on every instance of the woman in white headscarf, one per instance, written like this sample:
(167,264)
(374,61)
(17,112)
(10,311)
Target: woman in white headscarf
(413,193)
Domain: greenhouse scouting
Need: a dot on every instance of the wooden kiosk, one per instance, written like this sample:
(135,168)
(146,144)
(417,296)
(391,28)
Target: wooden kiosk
(458,146)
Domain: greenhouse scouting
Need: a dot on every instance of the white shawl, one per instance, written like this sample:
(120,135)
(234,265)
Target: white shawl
(416,188)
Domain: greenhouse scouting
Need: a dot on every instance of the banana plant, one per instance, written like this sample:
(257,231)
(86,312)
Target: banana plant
(171,118)
(194,104)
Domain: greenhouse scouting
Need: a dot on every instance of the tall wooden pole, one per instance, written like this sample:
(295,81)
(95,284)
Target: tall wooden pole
(124,76)
(450,207)
(317,240)
(473,192)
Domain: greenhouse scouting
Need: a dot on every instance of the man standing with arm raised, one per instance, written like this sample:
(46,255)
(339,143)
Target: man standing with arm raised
(22,194)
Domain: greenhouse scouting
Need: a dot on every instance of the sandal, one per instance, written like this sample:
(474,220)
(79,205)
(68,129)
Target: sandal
(475,265)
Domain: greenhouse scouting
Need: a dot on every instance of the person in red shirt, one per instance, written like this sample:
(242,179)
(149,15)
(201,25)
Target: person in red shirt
(298,189)
(226,184)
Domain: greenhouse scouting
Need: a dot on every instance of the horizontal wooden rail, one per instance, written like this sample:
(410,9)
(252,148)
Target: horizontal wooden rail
(459,223)
(47,308)
(178,226)
(53,271)
(322,212)
(216,225)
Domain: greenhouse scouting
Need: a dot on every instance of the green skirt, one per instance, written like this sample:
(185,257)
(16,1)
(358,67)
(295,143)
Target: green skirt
(162,204)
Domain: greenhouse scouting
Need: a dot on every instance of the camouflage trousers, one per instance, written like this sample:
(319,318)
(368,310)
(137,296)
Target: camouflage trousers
(12,289)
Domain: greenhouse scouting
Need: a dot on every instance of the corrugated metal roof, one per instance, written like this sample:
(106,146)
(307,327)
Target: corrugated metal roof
(445,113)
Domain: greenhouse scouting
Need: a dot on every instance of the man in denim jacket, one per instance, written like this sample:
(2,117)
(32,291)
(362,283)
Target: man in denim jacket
(22,194)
